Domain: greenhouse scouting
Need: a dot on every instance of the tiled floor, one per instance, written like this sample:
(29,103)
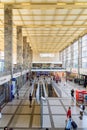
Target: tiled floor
(19,115)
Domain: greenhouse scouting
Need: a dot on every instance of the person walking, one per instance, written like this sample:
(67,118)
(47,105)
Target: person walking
(69,112)
(68,124)
(30,99)
(81,111)
(72,94)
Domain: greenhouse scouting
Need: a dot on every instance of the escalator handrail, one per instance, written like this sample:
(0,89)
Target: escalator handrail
(37,94)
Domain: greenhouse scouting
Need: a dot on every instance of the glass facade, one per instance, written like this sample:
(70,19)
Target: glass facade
(84,51)
(1,61)
(68,57)
(64,58)
(75,56)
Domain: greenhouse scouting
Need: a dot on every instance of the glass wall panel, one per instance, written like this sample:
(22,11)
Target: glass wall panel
(75,54)
(84,51)
(1,61)
(68,57)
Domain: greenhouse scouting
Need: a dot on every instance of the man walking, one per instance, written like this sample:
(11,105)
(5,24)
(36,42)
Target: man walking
(30,99)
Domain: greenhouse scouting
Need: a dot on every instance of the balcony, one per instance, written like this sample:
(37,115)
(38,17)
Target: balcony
(36,69)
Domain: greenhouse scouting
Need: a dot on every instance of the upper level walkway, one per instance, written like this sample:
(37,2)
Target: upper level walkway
(52,114)
(54,69)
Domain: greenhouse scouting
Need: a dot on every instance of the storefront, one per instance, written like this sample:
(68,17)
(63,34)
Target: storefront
(5,92)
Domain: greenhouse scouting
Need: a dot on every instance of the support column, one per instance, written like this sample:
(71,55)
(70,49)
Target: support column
(19,47)
(24,51)
(28,56)
(27,53)
(8,33)
(31,56)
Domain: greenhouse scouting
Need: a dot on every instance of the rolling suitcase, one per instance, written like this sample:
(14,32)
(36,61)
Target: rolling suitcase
(74,125)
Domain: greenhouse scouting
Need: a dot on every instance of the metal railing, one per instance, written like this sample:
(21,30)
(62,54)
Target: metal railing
(57,90)
(5,73)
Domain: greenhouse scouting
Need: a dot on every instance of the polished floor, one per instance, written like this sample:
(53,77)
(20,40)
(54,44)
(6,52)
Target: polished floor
(52,113)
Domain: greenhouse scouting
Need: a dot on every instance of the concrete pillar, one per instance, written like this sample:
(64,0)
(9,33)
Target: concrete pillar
(24,52)
(19,47)
(31,56)
(28,55)
(8,33)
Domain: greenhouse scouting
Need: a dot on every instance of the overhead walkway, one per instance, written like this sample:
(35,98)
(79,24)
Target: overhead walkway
(60,69)
(50,114)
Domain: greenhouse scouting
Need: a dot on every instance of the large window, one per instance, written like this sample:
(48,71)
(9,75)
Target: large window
(68,57)
(60,56)
(75,54)
(84,51)
(1,61)
(64,58)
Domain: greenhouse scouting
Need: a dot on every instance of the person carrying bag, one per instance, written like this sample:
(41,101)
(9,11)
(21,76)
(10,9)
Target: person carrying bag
(68,124)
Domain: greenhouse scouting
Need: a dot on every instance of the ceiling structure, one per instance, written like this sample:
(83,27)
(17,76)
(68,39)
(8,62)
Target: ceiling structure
(50,25)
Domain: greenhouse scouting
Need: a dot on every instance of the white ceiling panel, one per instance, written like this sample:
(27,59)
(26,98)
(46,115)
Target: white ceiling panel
(37,12)
(51,12)
(47,22)
(27,17)
(81,0)
(7,1)
(82,18)
(57,22)
(16,18)
(17,23)
(70,1)
(22,1)
(59,18)
(62,11)
(52,1)
(25,11)
(71,17)
(1,18)
(75,11)
(85,11)
(49,18)
(37,1)
(78,22)
(68,22)
(1,12)
(37,18)
(27,22)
